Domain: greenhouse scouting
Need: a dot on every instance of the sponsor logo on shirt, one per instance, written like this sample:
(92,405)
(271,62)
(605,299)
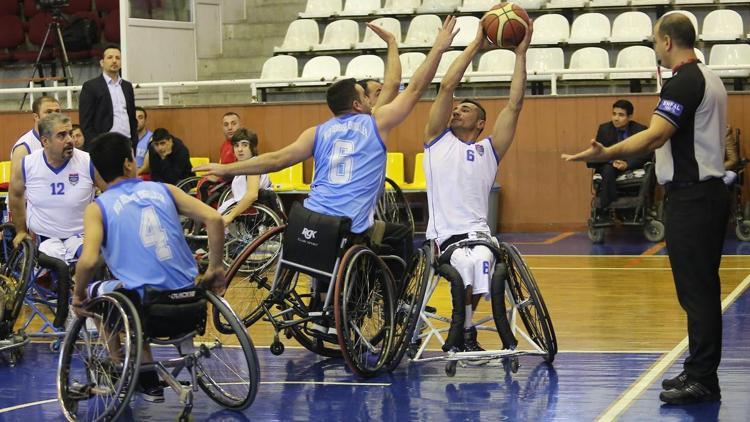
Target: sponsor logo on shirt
(671,107)
(480,150)
(73,178)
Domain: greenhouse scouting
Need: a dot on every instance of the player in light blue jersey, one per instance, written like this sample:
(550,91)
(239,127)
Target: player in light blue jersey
(136,226)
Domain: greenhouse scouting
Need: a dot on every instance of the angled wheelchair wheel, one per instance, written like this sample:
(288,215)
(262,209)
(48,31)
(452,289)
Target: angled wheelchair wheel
(363,307)
(6,243)
(17,274)
(249,278)
(228,374)
(188,185)
(529,302)
(243,230)
(409,305)
(98,367)
(392,206)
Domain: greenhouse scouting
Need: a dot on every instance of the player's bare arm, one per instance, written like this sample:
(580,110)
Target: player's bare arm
(392,77)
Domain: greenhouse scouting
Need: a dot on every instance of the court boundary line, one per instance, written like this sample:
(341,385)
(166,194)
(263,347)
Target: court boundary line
(639,386)
(25,405)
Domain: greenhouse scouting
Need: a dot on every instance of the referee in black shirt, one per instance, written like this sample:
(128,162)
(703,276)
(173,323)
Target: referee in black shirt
(686,131)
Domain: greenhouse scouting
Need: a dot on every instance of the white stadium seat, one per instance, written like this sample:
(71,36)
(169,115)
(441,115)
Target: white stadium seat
(631,27)
(550,29)
(494,61)
(342,34)
(365,66)
(301,35)
(730,54)
(589,28)
(360,7)
(690,16)
(648,2)
(321,8)
(399,7)
(322,67)
(734,1)
(540,60)
(467,26)
(565,4)
(636,56)
(531,4)
(477,5)
(279,67)
(439,6)
(722,25)
(588,58)
(372,40)
(608,3)
(422,31)
(678,2)
(445,62)
(410,62)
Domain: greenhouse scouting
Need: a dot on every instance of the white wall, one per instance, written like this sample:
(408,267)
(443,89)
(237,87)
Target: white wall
(208,27)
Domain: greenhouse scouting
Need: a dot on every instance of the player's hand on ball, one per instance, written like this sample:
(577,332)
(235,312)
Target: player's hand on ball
(524,44)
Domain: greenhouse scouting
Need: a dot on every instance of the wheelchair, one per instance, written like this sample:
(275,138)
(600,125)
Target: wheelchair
(635,205)
(15,277)
(369,315)
(98,369)
(392,206)
(514,295)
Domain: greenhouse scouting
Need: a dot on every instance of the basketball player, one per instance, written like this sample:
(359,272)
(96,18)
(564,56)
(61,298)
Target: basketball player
(460,168)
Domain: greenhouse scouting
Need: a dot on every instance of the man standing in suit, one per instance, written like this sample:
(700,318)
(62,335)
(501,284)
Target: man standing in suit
(107,102)
(618,128)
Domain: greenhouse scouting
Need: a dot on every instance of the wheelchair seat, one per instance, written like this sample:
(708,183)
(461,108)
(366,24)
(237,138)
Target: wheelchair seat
(173,314)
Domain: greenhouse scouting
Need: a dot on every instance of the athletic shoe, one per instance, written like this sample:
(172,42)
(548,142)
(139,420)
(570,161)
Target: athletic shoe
(676,382)
(154,394)
(688,393)
(470,341)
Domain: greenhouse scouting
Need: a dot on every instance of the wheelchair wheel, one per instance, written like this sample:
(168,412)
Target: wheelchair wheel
(363,307)
(409,305)
(229,375)
(595,234)
(529,301)
(98,369)
(189,185)
(18,271)
(246,290)
(244,229)
(392,206)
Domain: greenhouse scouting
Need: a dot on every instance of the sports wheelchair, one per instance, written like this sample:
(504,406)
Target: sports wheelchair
(392,206)
(364,315)
(514,295)
(635,205)
(98,369)
(15,276)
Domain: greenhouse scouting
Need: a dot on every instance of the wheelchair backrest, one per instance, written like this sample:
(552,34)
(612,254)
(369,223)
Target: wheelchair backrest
(313,241)
(173,313)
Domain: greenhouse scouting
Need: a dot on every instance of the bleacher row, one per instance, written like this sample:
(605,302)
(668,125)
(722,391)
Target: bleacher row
(23,26)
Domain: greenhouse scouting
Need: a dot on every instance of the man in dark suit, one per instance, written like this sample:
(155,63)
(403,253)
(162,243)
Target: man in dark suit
(107,102)
(618,128)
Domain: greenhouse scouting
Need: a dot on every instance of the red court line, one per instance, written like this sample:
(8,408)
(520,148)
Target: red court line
(549,241)
(648,252)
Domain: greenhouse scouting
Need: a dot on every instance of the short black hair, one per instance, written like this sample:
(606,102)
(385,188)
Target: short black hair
(109,46)
(679,28)
(364,82)
(231,113)
(341,95)
(76,126)
(37,104)
(482,111)
(625,105)
(141,109)
(244,134)
(108,152)
(160,135)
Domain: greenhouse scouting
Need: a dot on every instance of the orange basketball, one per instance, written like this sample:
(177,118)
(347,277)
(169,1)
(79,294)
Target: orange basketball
(505,24)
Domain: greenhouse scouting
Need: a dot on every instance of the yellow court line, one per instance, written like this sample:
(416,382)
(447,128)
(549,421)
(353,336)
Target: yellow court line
(549,241)
(662,365)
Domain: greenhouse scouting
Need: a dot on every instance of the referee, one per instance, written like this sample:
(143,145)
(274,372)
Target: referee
(686,131)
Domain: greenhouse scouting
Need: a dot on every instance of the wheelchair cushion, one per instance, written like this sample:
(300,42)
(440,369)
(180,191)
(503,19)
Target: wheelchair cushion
(173,313)
(313,240)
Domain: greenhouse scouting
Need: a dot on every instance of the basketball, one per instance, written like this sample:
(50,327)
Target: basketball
(505,24)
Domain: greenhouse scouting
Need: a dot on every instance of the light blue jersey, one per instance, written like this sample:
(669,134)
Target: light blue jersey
(142,148)
(143,242)
(349,169)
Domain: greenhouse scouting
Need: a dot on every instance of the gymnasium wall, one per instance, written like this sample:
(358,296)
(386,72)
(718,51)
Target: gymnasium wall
(539,191)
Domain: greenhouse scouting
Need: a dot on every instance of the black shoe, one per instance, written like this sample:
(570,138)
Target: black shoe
(676,382)
(470,341)
(154,394)
(688,393)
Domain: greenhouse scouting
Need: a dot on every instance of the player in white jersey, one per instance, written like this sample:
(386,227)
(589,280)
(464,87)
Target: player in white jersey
(460,169)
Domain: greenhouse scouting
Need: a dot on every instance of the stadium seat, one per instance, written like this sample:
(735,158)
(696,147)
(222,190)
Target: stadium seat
(288,179)
(495,61)
(30,9)
(365,66)
(279,67)
(5,173)
(410,62)
(550,29)
(541,60)
(734,1)
(197,161)
(301,35)
(342,34)
(531,4)
(9,8)
(394,167)
(107,5)
(37,28)
(631,27)
(11,36)
(77,6)
(607,3)
(422,31)
(322,67)
(690,16)
(589,28)
(565,4)
(372,40)
(649,2)
(419,181)
(445,62)
(467,26)
(477,5)
(111,24)
(439,6)
(360,7)
(636,56)
(680,2)
(399,7)
(722,25)
(321,9)
(587,58)
(730,54)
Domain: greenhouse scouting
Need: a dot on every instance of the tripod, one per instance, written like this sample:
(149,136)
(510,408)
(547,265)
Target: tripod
(53,28)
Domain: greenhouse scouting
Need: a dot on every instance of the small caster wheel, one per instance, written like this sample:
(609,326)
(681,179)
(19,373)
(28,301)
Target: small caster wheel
(277,348)
(511,365)
(411,351)
(450,368)
(54,347)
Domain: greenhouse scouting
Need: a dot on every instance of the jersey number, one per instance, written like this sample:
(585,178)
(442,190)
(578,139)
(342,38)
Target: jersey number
(152,234)
(58,188)
(341,162)
(469,155)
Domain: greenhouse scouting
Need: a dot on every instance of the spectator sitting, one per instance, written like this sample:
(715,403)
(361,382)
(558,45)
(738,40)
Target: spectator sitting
(168,159)
(77,135)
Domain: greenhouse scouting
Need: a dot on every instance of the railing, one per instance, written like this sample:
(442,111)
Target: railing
(256,84)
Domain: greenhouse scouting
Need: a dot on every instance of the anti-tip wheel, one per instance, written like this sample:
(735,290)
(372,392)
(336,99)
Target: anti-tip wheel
(450,368)
(277,348)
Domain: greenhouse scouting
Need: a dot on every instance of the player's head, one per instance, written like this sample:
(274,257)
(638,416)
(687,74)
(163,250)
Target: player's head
(673,34)
(347,96)
(112,155)
(244,144)
(77,135)
(162,141)
(229,123)
(468,116)
(111,60)
(622,112)
(55,133)
(43,106)
(372,89)
(140,117)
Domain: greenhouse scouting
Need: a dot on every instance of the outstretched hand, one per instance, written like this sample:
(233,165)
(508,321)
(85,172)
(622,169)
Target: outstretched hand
(211,169)
(447,33)
(524,44)
(384,35)
(596,153)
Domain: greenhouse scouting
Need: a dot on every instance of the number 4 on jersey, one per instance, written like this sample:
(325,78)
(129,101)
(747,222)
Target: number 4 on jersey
(152,234)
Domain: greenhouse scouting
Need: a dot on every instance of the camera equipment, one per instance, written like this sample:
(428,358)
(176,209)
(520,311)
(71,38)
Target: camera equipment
(52,4)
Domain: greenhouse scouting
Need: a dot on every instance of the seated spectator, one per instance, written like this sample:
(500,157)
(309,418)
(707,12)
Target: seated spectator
(77,135)
(168,159)
(731,156)
(210,186)
(144,136)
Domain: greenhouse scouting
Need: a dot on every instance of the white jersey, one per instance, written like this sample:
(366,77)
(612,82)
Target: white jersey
(56,198)
(459,177)
(239,188)
(30,140)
